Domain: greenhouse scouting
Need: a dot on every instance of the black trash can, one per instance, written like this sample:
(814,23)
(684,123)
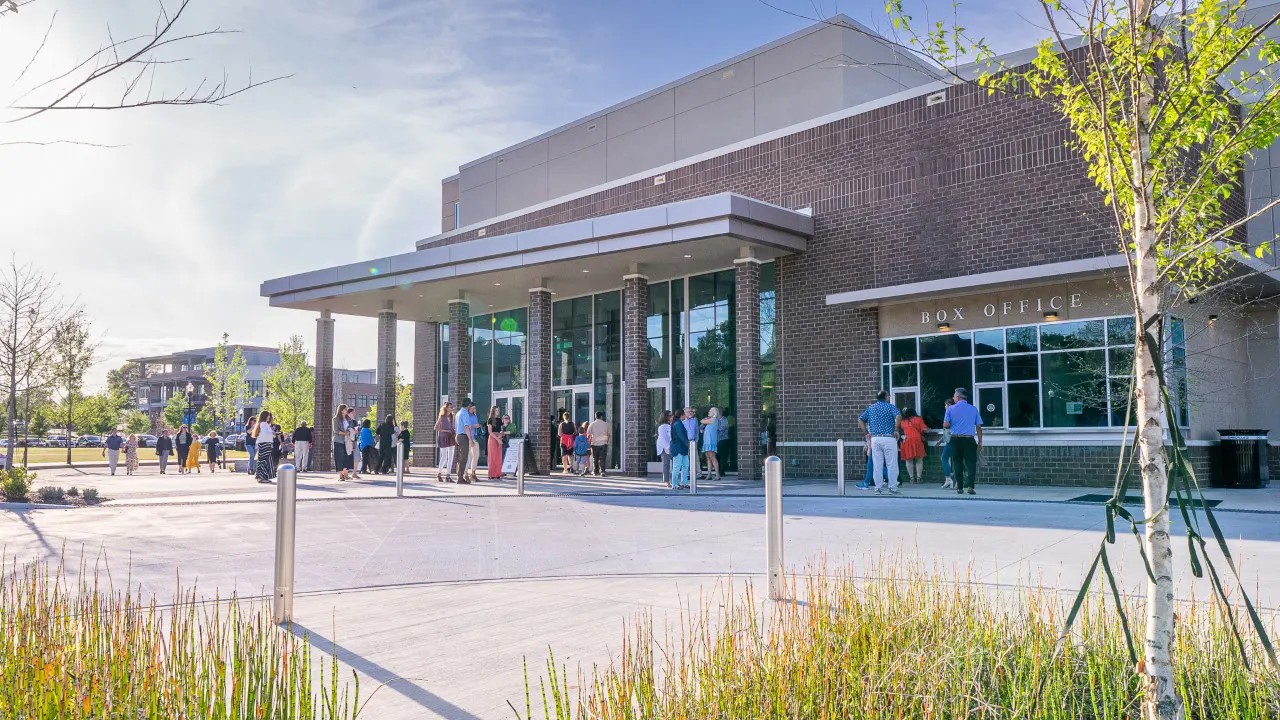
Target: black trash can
(1242,459)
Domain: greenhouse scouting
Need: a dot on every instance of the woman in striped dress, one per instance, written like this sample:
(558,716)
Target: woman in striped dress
(264,436)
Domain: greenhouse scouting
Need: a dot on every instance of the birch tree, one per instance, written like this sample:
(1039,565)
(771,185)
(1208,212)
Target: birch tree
(73,351)
(1152,92)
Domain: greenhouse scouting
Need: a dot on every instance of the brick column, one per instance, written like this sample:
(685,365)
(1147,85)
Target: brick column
(322,425)
(426,394)
(459,352)
(635,375)
(747,328)
(539,377)
(386,363)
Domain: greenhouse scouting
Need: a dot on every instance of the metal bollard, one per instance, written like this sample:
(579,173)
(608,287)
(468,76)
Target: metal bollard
(399,450)
(773,526)
(840,466)
(694,467)
(520,468)
(286,526)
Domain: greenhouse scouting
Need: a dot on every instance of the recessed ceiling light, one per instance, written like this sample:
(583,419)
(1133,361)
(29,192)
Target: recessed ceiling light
(497,284)
(419,296)
(688,256)
(586,271)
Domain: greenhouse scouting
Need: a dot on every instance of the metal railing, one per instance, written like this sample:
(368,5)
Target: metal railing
(824,459)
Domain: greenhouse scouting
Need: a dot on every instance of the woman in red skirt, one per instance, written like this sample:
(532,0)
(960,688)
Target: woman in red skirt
(912,450)
(496,436)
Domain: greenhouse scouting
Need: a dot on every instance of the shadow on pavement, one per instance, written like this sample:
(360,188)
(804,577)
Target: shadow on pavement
(389,680)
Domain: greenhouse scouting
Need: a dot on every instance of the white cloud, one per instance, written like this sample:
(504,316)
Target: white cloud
(166,239)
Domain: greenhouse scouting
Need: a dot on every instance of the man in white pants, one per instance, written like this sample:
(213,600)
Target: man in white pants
(881,422)
(302,447)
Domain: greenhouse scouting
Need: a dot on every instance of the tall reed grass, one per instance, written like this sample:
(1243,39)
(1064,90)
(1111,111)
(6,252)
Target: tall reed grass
(83,651)
(906,644)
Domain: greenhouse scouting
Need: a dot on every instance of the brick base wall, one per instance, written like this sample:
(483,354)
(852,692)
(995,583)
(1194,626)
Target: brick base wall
(1065,466)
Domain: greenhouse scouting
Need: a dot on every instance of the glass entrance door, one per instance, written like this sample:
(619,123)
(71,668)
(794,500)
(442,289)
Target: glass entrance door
(577,400)
(659,400)
(511,402)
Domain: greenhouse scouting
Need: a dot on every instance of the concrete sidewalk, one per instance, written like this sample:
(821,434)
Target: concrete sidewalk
(150,487)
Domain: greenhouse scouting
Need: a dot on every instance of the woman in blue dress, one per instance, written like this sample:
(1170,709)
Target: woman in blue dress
(711,440)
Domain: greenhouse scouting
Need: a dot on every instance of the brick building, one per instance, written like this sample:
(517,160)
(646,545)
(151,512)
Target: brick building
(779,236)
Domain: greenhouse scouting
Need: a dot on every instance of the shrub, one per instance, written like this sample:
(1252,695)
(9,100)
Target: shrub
(52,494)
(903,644)
(91,495)
(73,491)
(78,651)
(15,483)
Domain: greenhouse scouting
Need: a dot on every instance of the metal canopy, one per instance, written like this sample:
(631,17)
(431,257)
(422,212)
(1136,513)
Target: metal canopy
(571,259)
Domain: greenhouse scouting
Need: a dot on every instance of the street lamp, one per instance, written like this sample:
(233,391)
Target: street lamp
(191,410)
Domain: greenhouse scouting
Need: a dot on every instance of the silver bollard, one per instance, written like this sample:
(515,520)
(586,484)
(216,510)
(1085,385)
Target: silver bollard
(399,450)
(694,467)
(520,468)
(840,466)
(773,526)
(286,526)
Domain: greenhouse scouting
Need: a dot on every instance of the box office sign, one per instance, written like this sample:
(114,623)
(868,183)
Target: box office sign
(1007,306)
(1000,310)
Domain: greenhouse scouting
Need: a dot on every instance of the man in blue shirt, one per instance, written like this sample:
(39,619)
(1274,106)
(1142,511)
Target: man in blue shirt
(466,424)
(965,423)
(881,422)
(111,448)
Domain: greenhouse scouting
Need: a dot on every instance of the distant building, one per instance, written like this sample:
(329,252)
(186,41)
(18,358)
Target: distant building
(164,376)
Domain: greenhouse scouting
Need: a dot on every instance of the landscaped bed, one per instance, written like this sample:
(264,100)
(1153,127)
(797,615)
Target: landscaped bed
(84,652)
(905,644)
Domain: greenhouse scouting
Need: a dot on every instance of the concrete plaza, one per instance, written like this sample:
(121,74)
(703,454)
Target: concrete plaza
(445,593)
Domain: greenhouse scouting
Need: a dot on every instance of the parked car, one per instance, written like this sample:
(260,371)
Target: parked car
(89,441)
(233,441)
(58,441)
(30,442)
(145,441)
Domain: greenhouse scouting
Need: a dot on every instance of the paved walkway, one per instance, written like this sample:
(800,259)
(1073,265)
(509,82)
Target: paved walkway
(455,587)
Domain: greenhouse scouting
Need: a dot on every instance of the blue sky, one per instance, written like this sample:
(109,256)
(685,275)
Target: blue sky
(166,237)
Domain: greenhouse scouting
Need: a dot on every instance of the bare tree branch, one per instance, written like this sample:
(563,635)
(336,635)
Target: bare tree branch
(132,57)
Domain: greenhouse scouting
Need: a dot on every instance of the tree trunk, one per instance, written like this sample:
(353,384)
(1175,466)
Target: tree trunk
(70,414)
(11,415)
(1160,701)
(26,431)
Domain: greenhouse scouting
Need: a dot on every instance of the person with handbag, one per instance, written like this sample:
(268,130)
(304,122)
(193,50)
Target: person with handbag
(445,441)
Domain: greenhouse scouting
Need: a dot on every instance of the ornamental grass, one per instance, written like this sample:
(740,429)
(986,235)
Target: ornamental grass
(83,651)
(903,643)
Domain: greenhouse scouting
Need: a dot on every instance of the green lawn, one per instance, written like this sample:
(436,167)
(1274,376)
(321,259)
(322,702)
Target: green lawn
(91,455)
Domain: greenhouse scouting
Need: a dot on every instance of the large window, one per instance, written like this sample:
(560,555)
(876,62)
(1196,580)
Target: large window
(444,359)
(1072,374)
(768,355)
(571,341)
(586,340)
(713,358)
(659,330)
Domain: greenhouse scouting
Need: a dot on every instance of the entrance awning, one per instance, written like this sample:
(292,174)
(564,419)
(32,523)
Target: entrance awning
(574,258)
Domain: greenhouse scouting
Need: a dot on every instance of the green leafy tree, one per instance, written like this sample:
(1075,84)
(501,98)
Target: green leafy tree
(227,383)
(73,351)
(122,385)
(136,421)
(40,421)
(175,411)
(92,415)
(404,402)
(1153,101)
(205,421)
(290,386)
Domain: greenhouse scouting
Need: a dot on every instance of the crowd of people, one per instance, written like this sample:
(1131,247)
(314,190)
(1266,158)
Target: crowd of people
(677,432)
(892,434)
(359,447)
(265,442)
(458,436)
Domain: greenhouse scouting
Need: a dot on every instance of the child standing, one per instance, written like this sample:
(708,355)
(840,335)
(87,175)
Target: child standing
(581,451)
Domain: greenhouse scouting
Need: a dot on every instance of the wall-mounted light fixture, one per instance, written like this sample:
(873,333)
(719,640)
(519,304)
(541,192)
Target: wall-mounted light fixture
(1051,315)
(944,326)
